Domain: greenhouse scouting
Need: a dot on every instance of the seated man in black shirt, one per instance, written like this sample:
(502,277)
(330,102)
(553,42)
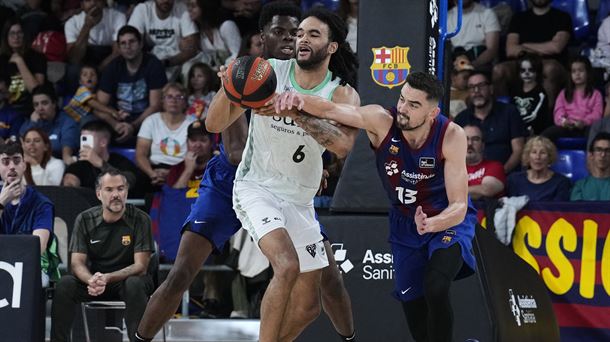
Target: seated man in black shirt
(94,157)
(110,251)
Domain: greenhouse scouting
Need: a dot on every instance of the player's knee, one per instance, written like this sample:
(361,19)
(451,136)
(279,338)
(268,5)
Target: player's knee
(178,280)
(286,269)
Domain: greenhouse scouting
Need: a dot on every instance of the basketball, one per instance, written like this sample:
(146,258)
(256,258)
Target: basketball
(251,82)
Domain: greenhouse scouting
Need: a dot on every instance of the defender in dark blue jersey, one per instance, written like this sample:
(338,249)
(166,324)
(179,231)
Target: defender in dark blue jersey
(421,159)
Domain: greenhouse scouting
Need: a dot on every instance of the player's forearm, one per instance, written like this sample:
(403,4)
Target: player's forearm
(81,272)
(220,113)
(450,217)
(342,113)
(326,134)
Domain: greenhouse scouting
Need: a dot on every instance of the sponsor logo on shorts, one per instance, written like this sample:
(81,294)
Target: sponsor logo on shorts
(266,220)
(311,249)
(427,162)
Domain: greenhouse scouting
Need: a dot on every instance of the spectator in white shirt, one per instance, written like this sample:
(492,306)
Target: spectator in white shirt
(162,137)
(42,168)
(166,26)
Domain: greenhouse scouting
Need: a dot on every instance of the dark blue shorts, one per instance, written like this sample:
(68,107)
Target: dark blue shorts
(412,251)
(212,214)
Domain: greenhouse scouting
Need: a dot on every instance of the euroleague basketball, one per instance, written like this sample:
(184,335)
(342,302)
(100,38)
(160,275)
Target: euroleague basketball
(251,82)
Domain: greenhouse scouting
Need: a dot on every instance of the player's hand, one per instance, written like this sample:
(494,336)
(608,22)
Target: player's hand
(268,109)
(421,221)
(289,100)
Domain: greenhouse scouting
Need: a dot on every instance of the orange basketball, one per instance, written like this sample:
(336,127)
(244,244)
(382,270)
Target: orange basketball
(251,82)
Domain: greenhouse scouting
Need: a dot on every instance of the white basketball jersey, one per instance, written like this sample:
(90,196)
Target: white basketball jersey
(279,155)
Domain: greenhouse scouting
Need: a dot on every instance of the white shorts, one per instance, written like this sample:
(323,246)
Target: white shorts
(261,212)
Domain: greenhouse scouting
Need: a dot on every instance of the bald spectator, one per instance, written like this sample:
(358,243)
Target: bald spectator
(549,40)
(486,178)
(167,27)
(501,123)
(479,36)
(596,187)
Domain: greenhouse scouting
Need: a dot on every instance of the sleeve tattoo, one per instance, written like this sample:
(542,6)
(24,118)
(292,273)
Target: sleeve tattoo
(324,132)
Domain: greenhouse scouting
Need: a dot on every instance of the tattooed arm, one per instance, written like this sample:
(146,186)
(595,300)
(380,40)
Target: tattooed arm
(333,136)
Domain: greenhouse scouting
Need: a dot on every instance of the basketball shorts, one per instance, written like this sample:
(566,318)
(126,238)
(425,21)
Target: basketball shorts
(261,212)
(212,214)
(411,257)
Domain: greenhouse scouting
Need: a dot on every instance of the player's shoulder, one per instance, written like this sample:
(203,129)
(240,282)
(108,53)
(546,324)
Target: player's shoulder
(454,136)
(346,94)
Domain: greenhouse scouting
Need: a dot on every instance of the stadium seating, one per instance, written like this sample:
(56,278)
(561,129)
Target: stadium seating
(129,153)
(571,143)
(579,11)
(571,163)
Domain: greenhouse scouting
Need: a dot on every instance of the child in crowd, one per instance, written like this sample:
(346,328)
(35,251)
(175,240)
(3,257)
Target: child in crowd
(578,105)
(81,106)
(202,88)
(530,98)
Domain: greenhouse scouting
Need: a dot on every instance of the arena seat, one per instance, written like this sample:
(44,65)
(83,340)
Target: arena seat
(579,11)
(572,164)
(571,143)
(515,5)
(129,153)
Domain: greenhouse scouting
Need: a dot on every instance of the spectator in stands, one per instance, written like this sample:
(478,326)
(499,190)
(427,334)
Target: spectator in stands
(42,167)
(219,39)
(462,68)
(245,13)
(96,158)
(578,105)
(170,32)
(251,45)
(110,248)
(81,106)
(62,130)
(162,137)
(23,210)
(486,178)
(188,173)
(202,86)
(132,82)
(348,11)
(501,124)
(25,67)
(599,126)
(595,187)
(32,16)
(603,40)
(10,120)
(480,33)
(549,40)
(91,36)
(529,97)
(538,181)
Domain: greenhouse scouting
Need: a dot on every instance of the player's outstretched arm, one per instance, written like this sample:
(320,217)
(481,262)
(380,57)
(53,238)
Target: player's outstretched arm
(372,118)
(336,138)
(222,112)
(456,182)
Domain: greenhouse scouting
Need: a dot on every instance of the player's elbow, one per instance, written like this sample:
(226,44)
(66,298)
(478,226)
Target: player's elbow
(213,127)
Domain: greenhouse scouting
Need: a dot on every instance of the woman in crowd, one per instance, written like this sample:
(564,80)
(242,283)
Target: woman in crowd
(42,168)
(25,67)
(538,181)
(162,136)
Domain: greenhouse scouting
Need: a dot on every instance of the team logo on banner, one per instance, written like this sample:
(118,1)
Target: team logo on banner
(390,66)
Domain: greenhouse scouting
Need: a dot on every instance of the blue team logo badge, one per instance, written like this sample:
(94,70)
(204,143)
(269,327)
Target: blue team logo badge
(427,162)
(390,66)
(393,149)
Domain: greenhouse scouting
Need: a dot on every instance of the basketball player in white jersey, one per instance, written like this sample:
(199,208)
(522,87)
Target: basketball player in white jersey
(280,174)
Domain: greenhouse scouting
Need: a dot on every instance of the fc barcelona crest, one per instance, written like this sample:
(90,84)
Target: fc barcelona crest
(390,66)
(126,240)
